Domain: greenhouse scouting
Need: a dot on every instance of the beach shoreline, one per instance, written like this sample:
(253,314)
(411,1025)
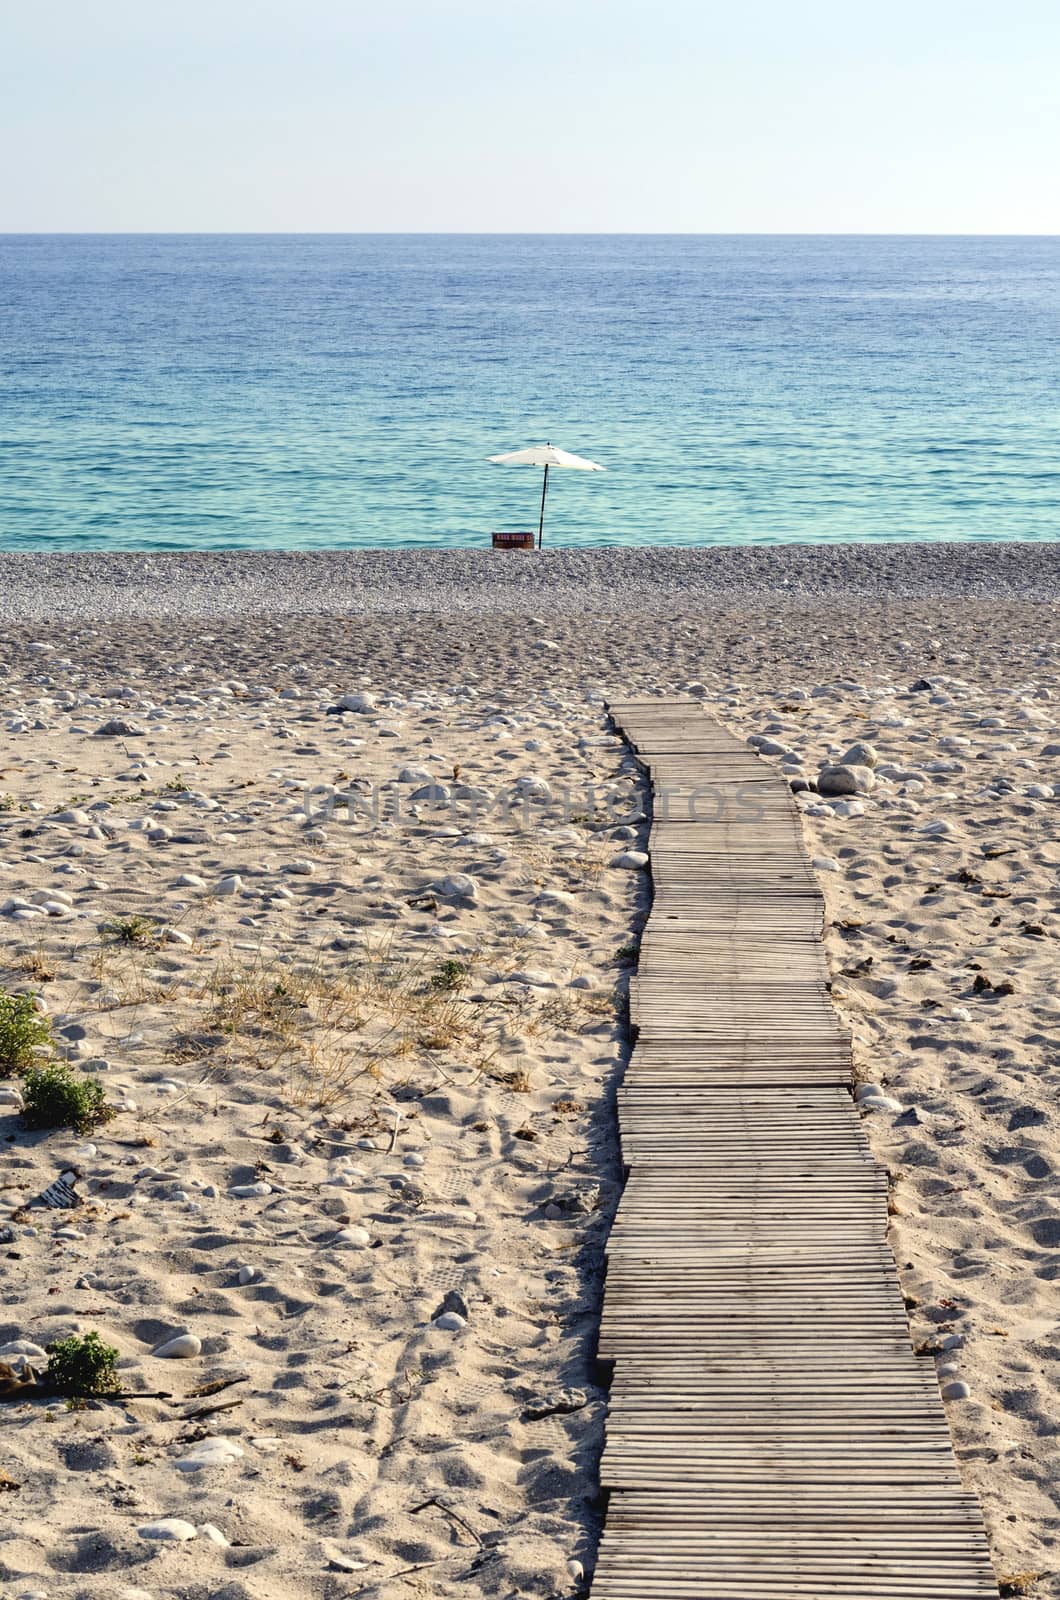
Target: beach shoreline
(143,585)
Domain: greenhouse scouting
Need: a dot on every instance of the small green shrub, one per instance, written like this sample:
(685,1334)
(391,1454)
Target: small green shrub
(7,802)
(22,1028)
(450,975)
(133,930)
(82,1366)
(53,1098)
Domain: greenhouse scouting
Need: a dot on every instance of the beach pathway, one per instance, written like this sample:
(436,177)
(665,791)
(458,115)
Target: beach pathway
(771,1433)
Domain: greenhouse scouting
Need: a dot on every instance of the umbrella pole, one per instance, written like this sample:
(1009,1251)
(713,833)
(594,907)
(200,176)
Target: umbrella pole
(541,523)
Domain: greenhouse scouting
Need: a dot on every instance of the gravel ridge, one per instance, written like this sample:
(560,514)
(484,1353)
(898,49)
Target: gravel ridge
(108,585)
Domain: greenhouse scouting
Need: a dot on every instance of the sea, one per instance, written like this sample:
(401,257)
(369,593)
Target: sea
(340,390)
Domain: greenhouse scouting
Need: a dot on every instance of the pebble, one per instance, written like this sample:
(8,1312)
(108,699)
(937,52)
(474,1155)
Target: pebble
(825,864)
(230,885)
(23,1347)
(167,1528)
(207,1453)
(247,1274)
(250,1191)
(450,1322)
(840,780)
(632,860)
(859,755)
(458,886)
(957,1390)
(184,1347)
(533,977)
(355,1238)
(214,1535)
(118,728)
(879,1102)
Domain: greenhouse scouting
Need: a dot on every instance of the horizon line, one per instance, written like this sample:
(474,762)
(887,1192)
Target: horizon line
(500,233)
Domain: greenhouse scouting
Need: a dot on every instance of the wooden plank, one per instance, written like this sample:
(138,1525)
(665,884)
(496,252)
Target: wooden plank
(770,1433)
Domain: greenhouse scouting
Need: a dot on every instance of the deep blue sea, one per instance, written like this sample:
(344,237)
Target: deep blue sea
(172,391)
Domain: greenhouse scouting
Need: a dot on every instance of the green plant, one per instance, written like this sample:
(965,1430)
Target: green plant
(7,802)
(450,975)
(132,930)
(22,1029)
(626,954)
(82,1365)
(53,1098)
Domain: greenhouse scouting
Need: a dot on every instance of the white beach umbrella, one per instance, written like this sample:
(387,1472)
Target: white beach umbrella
(546,455)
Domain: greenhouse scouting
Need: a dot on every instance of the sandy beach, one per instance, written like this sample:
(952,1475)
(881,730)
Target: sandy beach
(326,869)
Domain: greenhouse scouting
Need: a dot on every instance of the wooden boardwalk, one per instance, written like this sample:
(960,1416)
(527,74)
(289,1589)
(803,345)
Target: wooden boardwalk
(771,1433)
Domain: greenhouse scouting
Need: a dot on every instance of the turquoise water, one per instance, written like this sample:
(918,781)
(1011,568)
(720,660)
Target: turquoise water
(329,390)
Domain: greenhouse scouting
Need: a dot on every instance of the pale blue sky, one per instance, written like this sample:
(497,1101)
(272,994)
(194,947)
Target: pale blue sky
(591,115)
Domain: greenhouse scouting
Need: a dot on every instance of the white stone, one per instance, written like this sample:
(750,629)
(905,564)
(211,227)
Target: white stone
(214,1535)
(632,860)
(879,1102)
(184,1347)
(450,1322)
(352,1238)
(841,780)
(167,1528)
(956,1391)
(826,864)
(458,886)
(250,1191)
(230,885)
(22,1347)
(209,1453)
(859,755)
